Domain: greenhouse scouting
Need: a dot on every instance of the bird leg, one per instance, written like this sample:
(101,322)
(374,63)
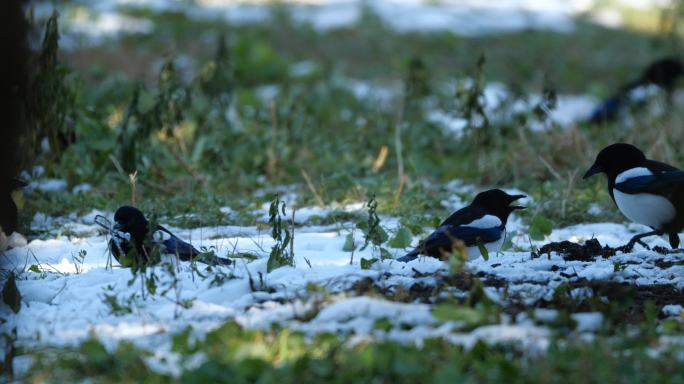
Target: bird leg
(637,239)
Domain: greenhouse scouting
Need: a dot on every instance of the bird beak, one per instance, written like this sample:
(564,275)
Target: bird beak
(592,171)
(514,198)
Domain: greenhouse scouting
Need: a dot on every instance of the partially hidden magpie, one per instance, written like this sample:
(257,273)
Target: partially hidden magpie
(646,191)
(662,73)
(131,236)
(481,222)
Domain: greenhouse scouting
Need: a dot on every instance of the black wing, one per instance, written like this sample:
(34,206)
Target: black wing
(608,110)
(657,166)
(465,215)
(174,245)
(663,183)
(442,240)
(187,252)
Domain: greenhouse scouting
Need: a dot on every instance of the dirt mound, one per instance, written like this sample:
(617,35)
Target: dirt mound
(574,251)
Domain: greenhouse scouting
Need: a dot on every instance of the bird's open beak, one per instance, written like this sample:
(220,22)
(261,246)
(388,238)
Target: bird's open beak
(514,198)
(592,171)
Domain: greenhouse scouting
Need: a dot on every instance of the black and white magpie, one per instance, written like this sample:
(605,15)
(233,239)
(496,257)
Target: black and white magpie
(662,73)
(646,191)
(132,228)
(481,222)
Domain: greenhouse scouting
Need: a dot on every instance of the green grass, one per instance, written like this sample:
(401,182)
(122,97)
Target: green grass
(234,355)
(191,160)
(305,129)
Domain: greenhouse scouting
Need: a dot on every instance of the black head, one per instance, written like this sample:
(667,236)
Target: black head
(498,202)
(616,158)
(664,72)
(131,220)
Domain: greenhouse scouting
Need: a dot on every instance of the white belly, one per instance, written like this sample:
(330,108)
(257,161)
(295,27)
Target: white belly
(492,248)
(645,208)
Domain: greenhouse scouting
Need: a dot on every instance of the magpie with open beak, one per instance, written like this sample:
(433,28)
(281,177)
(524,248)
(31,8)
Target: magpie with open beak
(482,222)
(646,191)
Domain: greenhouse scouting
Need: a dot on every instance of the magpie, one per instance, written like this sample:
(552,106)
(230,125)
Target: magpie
(662,73)
(130,236)
(481,222)
(646,191)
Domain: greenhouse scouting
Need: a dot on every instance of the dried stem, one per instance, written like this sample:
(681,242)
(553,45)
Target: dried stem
(312,188)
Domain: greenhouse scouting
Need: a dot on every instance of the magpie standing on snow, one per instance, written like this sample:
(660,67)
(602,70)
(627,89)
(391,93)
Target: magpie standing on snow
(662,73)
(646,191)
(481,222)
(131,228)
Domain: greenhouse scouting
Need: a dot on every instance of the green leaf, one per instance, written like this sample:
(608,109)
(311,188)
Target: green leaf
(508,242)
(540,228)
(11,295)
(181,342)
(18,198)
(95,351)
(452,312)
(380,236)
(367,263)
(349,243)
(483,249)
(151,284)
(383,324)
(274,261)
(401,239)
(35,268)
(375,235)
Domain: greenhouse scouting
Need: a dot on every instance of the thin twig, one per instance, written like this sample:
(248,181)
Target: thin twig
(187,167)
(271,166)
(550,168)
(401,175)
(123,176)
(293,235)
(117,165)
(132,178)
(312,188)
(380,160)
(351,260)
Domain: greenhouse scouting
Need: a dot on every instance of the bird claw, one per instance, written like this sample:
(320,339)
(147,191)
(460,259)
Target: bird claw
(626,248)
(643,245)
(630,246)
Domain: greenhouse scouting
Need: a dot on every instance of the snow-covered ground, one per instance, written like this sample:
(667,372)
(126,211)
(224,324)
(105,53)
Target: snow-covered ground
(500,105)
(67,289)
(90,22)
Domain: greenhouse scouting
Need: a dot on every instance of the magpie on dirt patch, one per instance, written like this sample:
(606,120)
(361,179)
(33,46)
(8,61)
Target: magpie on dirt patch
(646,191)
